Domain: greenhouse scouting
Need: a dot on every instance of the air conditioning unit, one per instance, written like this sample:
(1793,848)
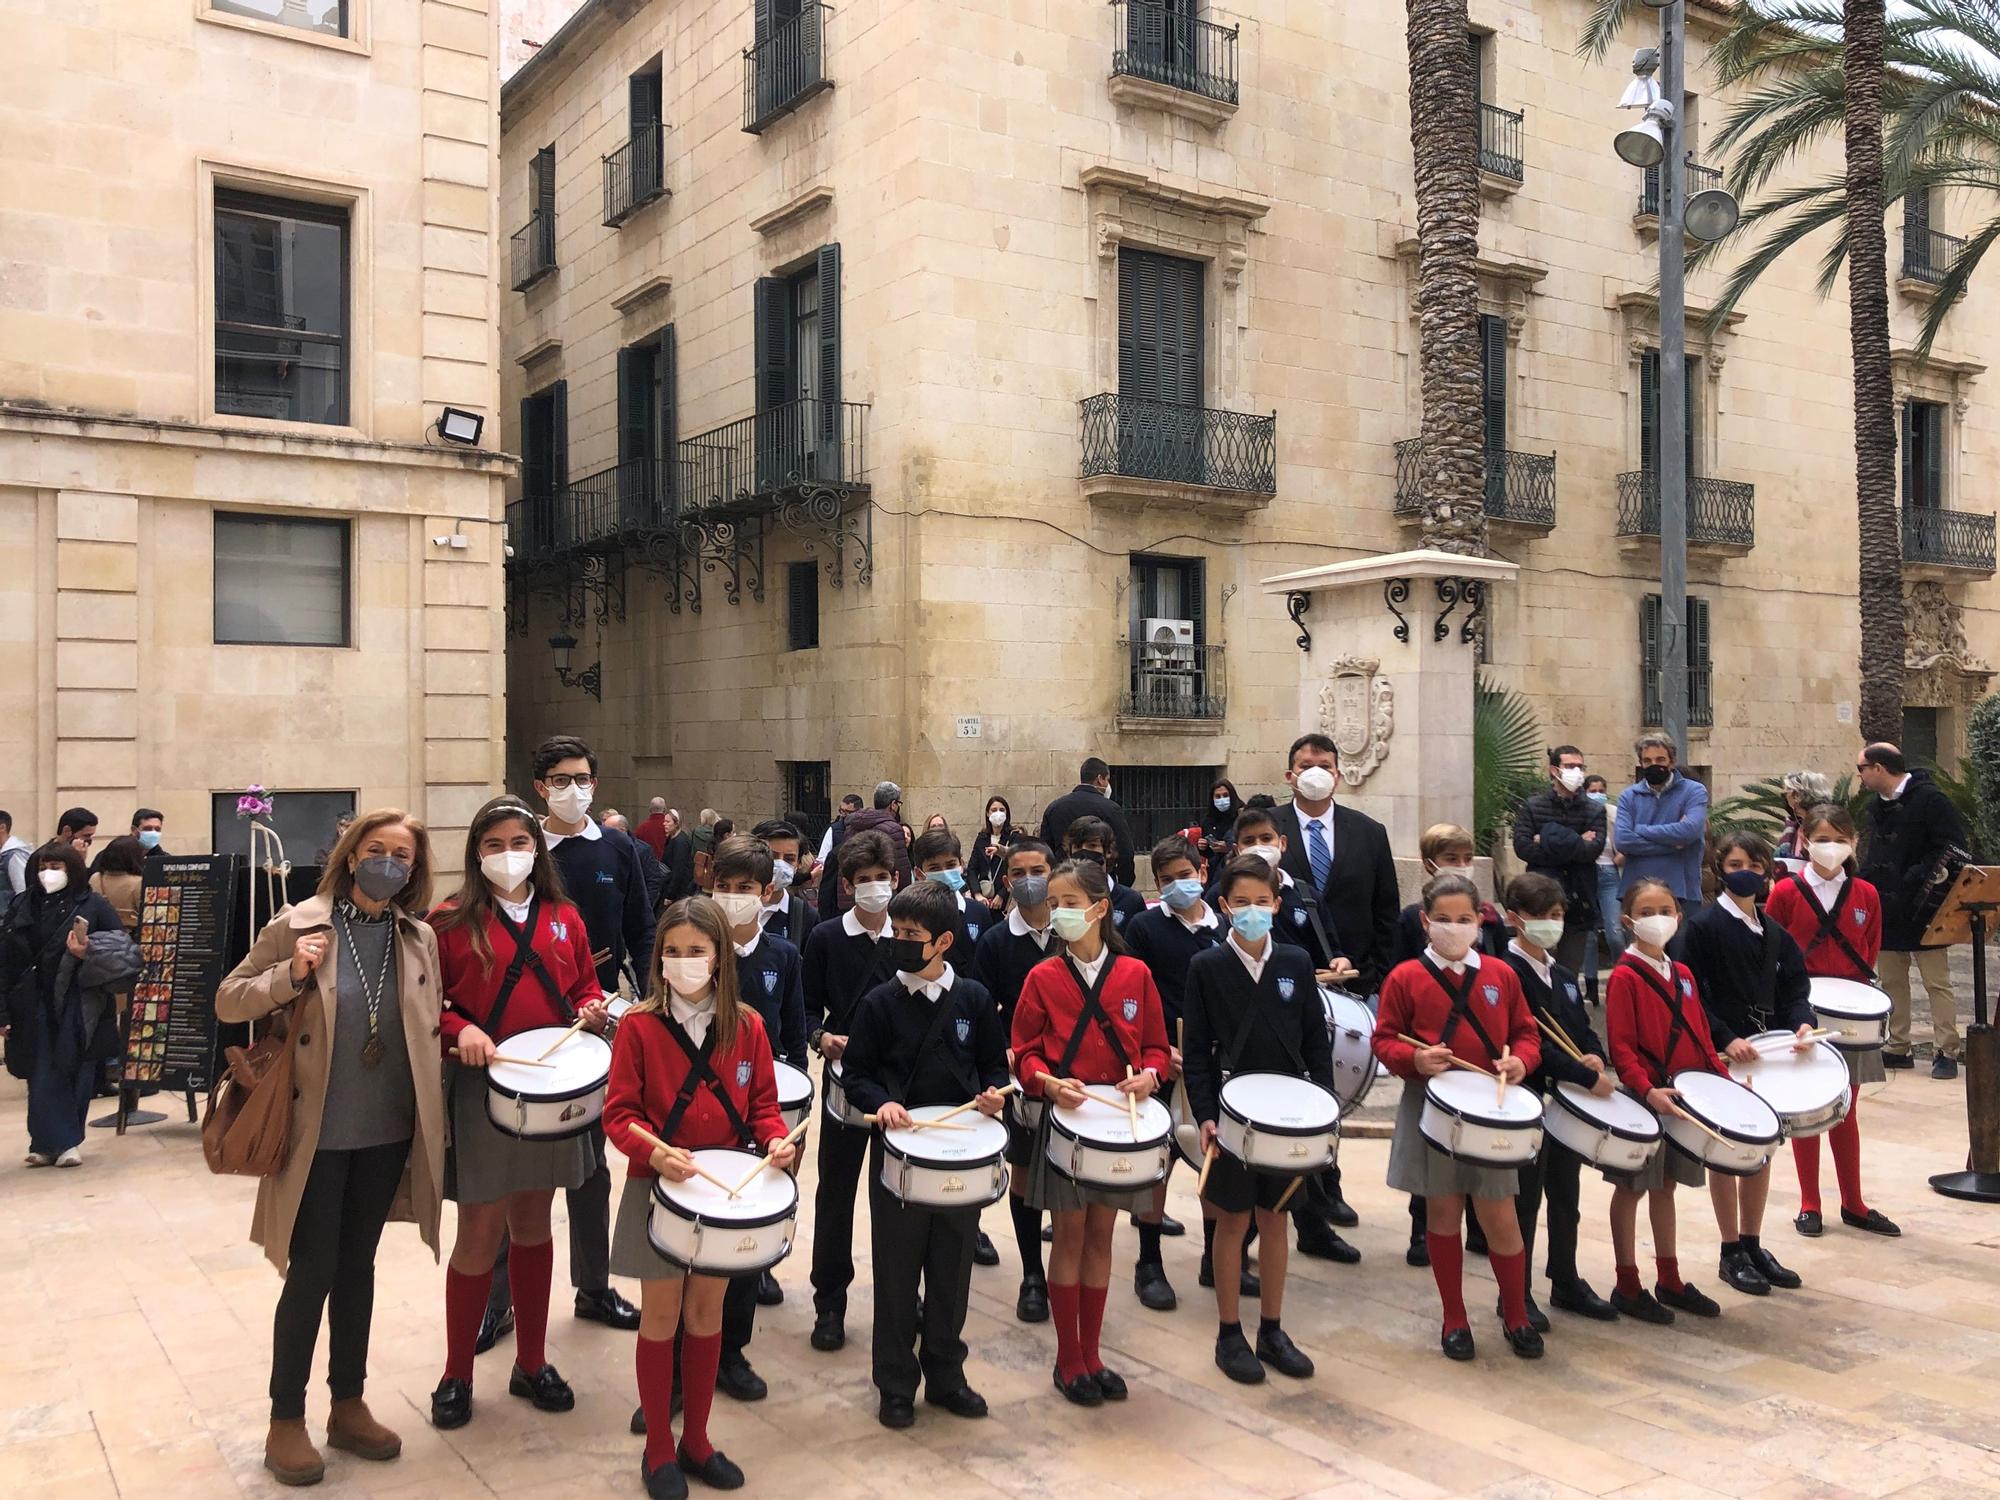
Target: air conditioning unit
(1169,642)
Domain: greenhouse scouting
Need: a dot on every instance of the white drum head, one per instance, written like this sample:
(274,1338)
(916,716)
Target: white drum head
(1470,1095)
(1098,1124)
(1345,1013)
(770,1193)
(1792,1082)
(1620,1112)
(577,1066)
(982,1140)
(795,1088)
(1849,997)
(1276,1101)
(1726,1106)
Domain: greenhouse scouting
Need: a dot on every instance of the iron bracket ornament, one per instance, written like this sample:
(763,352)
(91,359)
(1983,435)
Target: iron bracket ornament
(1396,592)
(590,679)
(674,556)
(1297,602)
(819,515)
(593,587)
(1451,593)
(734,551)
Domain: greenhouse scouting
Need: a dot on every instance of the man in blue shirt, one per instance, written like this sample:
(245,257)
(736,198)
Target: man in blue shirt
(1663,823)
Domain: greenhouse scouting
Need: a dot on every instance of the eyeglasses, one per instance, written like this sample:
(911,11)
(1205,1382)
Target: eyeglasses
(563,783)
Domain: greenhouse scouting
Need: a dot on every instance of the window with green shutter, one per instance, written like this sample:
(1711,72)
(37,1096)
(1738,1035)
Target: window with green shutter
(647,472)
(1493,398)
(801,606)
(1649,412)
(1923,455)
(1700,670)
(797,357)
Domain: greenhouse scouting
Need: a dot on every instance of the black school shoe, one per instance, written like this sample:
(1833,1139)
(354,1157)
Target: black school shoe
(1247,1285)
(1419,1254)
(769,1293)
(1688,1300)
(492,1328)
(963,1402)
(451,1404)
(1169,1226)
(1236,1359)
(1323,1244)
(607,1307)
(1944,1067)
(1475,1240)
(1341,1215)
(1110,1385)
(1082,1390)
(829,1332)
(1156,1293)
(896,1412)
(1895,1060)
(1776,1274)
(1031,1305)
(715,1471)
(1872,1222)
(1276,1349)
(1740,1274)
(1457,1344)
(1525,1342)
(547,1389)
(1537,1319)
(736,1380)
(1578,1297)
(664,1483)
(1643,1306)
(1809,1223)
(983,1253)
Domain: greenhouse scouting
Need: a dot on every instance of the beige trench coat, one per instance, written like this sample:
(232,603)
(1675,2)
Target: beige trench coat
(262,983)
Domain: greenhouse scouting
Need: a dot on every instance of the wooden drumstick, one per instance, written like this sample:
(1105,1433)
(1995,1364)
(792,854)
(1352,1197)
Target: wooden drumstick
(1279,1206)
(937,1124)
(519,1062)
(1009,1087)
(573,1030)
(791,1139)
(1557,1035)
(1455,1060)
(707,1176)
(1132,1105)
(1207,1164)
(1499,1075)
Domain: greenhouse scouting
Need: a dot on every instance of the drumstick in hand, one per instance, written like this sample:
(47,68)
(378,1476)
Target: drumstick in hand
(1279,1206)
(937,1124)
(1557,1035)
(792,1139)
(1499,1077)
(1009,1087)
(519,1062)
(707,1176)
(1207,1163)
(1132,1106)
(1455,1060)
(574,1029)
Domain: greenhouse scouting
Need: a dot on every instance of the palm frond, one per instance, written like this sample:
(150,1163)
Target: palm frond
(1509,762)
(1607,19)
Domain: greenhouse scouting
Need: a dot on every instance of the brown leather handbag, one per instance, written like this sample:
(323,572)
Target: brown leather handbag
(246,1127)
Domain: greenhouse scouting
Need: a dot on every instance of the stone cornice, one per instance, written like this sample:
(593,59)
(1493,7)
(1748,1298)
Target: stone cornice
(37,421)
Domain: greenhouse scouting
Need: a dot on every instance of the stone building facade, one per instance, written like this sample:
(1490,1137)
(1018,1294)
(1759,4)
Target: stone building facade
(246,263)
(925,400)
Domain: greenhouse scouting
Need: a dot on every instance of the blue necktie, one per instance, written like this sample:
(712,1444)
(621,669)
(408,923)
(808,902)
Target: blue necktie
(1316,853)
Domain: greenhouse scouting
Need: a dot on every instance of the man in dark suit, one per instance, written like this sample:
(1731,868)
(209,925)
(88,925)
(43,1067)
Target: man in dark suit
(1092,799)
(1344,855)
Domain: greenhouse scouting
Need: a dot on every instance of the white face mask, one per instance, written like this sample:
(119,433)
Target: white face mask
(1314,783)
(1829,854)
(53,880)
(1269,853)
(1659,931)
(873,895)
(1453,940)
(570,803)
(998,818)
(687,977)
(741,907)
(1543,932)
(1571,778)
(508,868)
(783,872)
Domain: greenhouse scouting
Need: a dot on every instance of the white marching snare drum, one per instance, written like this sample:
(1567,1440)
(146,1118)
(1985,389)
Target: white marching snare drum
(837,1107)
(1351,1030)
(795,1094)
(697,1225)
(1618,1134)
(618,1007)
(1808,1089)
(564,1097)
(1024,1110)
(946,1168)
(1273,1122)
(1093,1144)
(1746,1128)
(1858,1012)
(1464,1120)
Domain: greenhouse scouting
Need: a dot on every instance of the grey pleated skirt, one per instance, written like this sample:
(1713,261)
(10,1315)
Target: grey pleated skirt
(483,1164)
(1054,1193)
(1416,1166)
(1864,1067)
(1668,1164)
(632,1252)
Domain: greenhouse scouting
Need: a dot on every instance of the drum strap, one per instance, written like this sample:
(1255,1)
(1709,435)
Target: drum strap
(1461,1007)
(700,1072)
(1675,1032)
(1319,929)
(1093,1010)
(1252,1012)
(1767,988)
(525,957)
(1829,922)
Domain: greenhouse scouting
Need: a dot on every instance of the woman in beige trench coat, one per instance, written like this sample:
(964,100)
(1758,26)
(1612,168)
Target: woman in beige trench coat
(353,972)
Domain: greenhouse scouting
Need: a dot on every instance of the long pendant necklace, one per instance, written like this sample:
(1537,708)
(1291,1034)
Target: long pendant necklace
(372,1050)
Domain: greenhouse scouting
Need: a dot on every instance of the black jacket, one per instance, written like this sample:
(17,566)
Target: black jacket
(1561,1002)
(1286,1032)
(652,874)
(832,900)
(1906,839)
(886,1059)
(1563,854)
(1089,802)
(604,881)
(838,970)
(1360,894)
(1001,962)
(982,865)
(42,985)
(678,863)
(1166,946)
(1748,983)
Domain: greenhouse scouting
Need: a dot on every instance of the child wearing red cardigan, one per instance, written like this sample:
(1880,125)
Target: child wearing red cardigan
(692,1067)
(1837,918)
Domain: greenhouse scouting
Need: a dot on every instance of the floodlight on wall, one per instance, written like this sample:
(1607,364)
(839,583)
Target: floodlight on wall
(1711,215)
(1645,144)
(457,425)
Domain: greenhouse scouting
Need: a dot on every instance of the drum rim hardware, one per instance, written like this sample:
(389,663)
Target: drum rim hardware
(1258,1127)
(1624,1133)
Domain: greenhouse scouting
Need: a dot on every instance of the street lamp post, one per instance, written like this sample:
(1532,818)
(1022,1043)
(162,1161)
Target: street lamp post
(1673,381)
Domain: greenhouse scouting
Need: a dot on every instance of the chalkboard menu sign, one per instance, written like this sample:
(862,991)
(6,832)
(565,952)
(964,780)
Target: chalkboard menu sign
(187,913)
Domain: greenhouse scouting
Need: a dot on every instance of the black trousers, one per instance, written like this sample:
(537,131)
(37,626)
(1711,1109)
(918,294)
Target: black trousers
(928,1247)
(843,1151)
(347,1200)
(1557,1175)
(589,1235)
(739,1314)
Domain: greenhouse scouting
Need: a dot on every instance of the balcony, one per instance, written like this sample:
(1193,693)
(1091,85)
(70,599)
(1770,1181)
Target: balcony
(1171,688)
(1500,132)
(635,174)
(1520,488)
(534,251)
(1928,255)
(786,68)
(1172,61)
(1139,451)
(1944,543)
(1701,698)
(1722,513)
(759,461)
(1699,179)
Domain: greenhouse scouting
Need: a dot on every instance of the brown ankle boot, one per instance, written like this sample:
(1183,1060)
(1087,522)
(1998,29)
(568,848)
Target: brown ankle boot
(290,1455)
(353,1429)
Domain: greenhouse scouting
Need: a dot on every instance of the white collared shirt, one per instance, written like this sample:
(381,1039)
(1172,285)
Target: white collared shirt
(1826,889)
(1091,970)
(1325,821)
(1018,925)
(1664,967)
(744,950)
(517,911)
(1207,920)
(1901,787)
(1251,961)
(1470,961)
(1748,919)
(932,990)
(694,1019)
(1539,965)
(850,923)
(590,835)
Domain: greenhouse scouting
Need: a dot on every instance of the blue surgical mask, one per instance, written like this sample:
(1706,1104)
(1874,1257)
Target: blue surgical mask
(1222,804)
(150,837)
(952,879)
(1251,923)
(1180,894)
(1595,796)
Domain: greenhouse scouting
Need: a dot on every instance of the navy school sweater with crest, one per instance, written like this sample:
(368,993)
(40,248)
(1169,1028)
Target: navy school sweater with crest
(770,980)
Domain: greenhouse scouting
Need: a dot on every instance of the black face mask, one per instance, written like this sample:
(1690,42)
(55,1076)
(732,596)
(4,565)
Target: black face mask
(1656,775)
(1751,883)
(908,955)
(1090,854)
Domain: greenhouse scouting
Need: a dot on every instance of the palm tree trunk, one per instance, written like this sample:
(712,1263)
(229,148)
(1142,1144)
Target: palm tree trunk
(1881,557)
(1443,139)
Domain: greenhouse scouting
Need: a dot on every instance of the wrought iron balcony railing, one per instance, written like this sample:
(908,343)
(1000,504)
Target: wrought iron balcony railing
(1174,681)
(1142,439)
(1721,512)
(1500,132)
(1165,46)
(1520,487)
(1699,179)
(748,463)
(1948,538)
(534,251)
(1701,698)
(1928,254)
(635,174)
(785,69)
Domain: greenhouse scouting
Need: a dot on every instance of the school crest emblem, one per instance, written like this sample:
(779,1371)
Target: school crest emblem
(560,930)
(1491,992)
(1130,1008)
(1298,916)
(1860,917)
(1570,990)
(964,1029)
(972,932)
(743,1074)
(770,982)
(1286,989)
(1687,989)
(1118,919)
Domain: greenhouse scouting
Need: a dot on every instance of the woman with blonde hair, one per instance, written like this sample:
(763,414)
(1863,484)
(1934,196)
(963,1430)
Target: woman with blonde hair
(1803,791)
(352,975)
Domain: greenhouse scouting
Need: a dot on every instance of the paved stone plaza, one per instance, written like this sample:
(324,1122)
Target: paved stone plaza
(139,1323)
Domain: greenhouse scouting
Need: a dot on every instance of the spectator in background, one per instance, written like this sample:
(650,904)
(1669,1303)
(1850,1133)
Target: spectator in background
(1663,824)
(121,870)
(651,872)
(849,805)
(1607,938)
(1912,826)
(1559,832)
(77,827)
(653,832)
(340,826)
(885,817)
(677,859)
(1218,824)
(1803,791)
(997,834)
(1091,799)
(14,854)
(937,821)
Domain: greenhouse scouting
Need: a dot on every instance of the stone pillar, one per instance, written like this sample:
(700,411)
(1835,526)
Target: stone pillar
(1386,661)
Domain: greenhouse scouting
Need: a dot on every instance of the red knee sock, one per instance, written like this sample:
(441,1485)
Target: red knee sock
(1448,1268)
(1628,1282)
(1805,1158)
(1670,1273)
(1511,1271)
(464,1306)
(699,1358)
(530,1268)
(1090,1325)
(655,1365)
(1846,1143)
(1065,1314)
